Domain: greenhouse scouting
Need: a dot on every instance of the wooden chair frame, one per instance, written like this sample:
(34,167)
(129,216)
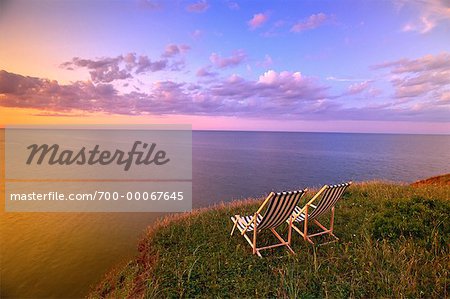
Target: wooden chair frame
(252,242)
(306,236)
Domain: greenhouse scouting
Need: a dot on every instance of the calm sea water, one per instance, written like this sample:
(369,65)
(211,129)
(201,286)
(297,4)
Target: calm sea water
(62,254)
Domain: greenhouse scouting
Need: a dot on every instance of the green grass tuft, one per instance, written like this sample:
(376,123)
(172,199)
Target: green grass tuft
(393,243)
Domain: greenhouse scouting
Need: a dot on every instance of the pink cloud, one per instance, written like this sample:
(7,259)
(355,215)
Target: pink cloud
(427,62)
(357,88)
(205,72)
(235,59)
(149,4)
(432,13)
(198,7)
(258,20)
(173,50)
(425,76)
(196,34)
(312,22)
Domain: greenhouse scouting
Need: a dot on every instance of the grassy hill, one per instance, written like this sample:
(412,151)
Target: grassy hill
(393,243)
(440,180)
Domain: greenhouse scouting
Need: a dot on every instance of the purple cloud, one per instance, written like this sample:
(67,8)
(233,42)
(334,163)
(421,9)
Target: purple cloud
(205,72)
(47,95)
(312,22)
(144,64)
(357,88)
(101,70)
(173,50)
(235,59)
(109,69)
(283,93)
(273,95)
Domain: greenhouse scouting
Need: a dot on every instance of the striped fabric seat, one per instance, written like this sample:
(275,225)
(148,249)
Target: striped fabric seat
(300,216)
(280,207)
(327,198)
(245,221)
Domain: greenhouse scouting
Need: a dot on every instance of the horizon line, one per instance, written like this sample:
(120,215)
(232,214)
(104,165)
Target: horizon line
(3,128)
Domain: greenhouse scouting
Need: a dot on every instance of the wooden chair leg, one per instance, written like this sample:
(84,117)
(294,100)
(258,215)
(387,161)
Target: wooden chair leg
(305,228)
(254,241)
(234,227)
(290,231)
(332,220)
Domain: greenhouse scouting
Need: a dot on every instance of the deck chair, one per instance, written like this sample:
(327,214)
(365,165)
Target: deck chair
(280,207)
(327,196)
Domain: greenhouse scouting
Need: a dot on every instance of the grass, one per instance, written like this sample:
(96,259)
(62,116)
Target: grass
(393,243)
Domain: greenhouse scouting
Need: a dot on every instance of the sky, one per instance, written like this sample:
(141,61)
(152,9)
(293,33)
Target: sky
(327,66)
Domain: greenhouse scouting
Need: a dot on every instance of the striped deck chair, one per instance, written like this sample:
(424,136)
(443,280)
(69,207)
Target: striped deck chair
(328,195)
(280,207)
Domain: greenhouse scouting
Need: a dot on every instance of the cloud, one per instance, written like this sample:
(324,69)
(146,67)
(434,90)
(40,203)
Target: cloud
(144,64)
(432,13)
(48,95)
(198,7)
(101,70)
(333,78)
(284,93)
(426,63)
(149,4)
(109,69)
(235,59)
(106,70)
(173,50)
(357,88)
(267,62)
(258,20)
(274,30)
(233,5)
(427,76)
(205,72)
(273,95)
(444,97)
(196,34)
(312,22)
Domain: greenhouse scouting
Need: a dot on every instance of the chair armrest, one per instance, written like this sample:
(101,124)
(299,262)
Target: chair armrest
(248,224)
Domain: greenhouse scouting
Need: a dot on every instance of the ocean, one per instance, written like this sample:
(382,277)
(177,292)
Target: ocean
(63,254)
